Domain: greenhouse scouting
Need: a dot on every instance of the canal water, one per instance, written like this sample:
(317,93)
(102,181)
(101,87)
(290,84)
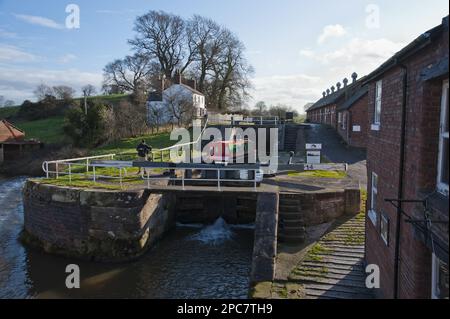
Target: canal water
(193,261)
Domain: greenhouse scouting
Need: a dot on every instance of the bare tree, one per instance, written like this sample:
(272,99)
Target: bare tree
(260,108)
(88,90)
(129,121)
(181,108)
(42,91)
(162,36)
(131,74)
(64,92)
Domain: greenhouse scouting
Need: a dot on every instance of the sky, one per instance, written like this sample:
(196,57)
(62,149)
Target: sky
(298,48)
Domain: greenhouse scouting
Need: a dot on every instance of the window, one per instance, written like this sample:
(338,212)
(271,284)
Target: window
(378,97)
(439,280)
(344,121)
(384,229)
(442,182)
(373,200)
(339,117)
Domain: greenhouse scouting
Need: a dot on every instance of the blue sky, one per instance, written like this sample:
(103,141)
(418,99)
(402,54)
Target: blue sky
(297,47)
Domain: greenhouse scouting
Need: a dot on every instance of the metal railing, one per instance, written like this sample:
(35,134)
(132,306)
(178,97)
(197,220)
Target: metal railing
(218,180)
(68,164)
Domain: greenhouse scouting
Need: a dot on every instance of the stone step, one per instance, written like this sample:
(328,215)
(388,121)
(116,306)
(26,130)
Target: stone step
(337,261)
(336,292)
(345,254)
(289,209)
(291,223)
(290,216)
(292,231)
(289,201)
(333,266)
(338,247)
(338,271)
(291,238)
(344,250)
(295,276)
(341,282)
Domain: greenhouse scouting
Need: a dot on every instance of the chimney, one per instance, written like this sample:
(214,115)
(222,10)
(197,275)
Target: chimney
(354,76)
(333,89)
(345,81)
(338,85)
(324,93)
(163,82)
(194,84)
(328,91)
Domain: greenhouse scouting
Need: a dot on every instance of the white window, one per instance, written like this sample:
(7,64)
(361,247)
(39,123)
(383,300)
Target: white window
(339,117)
(373,200)
(439,280)
(378,98)
(384,229)
(344,121)
(442,182)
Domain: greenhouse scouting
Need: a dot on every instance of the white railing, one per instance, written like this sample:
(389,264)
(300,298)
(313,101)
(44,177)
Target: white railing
(218,180)
(68,164)
(240,119)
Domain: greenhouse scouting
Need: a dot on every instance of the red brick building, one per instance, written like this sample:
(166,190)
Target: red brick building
(345,109)
(407,164)
(353,123)
(12,143)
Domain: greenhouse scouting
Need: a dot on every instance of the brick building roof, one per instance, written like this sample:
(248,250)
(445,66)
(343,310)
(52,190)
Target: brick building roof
(10,133)
(353,99)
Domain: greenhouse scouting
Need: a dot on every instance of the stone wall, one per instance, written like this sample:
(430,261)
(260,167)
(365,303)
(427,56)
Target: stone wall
(298,211)
(94,224)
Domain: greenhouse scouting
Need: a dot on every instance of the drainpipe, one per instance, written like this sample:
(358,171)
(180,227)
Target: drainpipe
(400,181)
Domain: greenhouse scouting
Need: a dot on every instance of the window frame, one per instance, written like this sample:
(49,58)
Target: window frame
(373,215)
(385,220)
(378,105)
(441,186)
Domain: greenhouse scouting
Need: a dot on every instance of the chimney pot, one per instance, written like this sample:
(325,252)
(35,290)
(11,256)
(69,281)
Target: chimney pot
(328,91)
(354,76)
(338,85)
(324,93)
(333,89)
(345,81)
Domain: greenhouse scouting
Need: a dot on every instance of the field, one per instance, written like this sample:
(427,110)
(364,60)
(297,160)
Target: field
(48,130)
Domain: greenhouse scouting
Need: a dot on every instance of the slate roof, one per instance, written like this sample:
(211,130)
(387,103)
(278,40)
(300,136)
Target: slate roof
(353,99)
(334,98)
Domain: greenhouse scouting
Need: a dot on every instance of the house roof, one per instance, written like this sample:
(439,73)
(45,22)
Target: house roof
(9,132)
(359,94)
(334,98)
(191,89)
(418,44)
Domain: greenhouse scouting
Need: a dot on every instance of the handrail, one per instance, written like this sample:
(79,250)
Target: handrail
(69,162)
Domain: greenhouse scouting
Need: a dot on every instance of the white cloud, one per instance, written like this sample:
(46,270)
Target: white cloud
(307,53)
(10,53)
(360,53)
(40,21)
(66,58)
(331,31)
(19,83)
(293,90)
(6,34)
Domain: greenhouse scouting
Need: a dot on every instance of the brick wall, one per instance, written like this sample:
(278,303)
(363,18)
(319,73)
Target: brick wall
(383,158)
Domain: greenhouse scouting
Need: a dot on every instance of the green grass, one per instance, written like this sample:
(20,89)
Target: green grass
(320,174)
(126,148)
(47,130)
(8,112)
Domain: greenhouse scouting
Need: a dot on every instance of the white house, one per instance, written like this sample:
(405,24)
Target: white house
(178,100)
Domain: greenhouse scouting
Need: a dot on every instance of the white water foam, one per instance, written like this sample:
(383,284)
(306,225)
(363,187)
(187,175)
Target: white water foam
(214,234)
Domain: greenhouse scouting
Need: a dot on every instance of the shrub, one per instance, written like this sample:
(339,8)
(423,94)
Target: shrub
(91,129)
